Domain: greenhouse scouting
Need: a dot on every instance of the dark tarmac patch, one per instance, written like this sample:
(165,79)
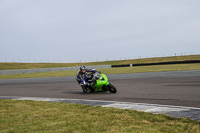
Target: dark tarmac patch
(179,88)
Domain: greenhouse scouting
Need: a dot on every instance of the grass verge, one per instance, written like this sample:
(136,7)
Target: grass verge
(35,116)
(139,69)
(12,66)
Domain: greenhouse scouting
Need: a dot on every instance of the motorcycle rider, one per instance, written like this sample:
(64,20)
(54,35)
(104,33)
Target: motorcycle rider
(82,77)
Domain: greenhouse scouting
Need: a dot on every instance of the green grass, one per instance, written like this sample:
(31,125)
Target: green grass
(12,66)
(31,116)
(139,69)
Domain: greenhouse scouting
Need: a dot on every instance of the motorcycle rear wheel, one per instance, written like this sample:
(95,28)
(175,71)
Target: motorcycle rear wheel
(112,88)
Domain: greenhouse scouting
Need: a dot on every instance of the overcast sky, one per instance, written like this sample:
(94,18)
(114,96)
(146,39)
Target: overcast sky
(88,30)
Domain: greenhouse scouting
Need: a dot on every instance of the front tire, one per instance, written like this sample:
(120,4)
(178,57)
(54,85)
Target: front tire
(112,88)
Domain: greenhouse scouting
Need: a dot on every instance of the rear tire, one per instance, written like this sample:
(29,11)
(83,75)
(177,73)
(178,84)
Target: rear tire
(112,88)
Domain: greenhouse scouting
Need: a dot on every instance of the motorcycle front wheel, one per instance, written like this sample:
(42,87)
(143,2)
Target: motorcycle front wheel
(112,88)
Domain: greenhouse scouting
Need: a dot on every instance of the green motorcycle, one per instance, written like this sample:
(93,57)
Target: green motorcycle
(97,83)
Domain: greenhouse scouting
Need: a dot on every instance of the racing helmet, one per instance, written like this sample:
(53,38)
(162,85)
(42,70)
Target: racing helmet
(83,69)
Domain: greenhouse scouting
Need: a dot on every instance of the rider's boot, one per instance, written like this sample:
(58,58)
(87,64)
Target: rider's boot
(84,88)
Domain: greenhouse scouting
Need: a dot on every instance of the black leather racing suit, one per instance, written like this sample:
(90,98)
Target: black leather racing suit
(83,77)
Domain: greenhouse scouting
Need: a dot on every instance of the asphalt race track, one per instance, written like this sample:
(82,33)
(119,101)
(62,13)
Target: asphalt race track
(179,88)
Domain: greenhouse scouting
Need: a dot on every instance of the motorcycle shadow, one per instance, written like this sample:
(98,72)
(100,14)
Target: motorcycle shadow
(87,93)
(95,93)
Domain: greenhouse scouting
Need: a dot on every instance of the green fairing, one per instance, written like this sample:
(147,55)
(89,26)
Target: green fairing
(100,82)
